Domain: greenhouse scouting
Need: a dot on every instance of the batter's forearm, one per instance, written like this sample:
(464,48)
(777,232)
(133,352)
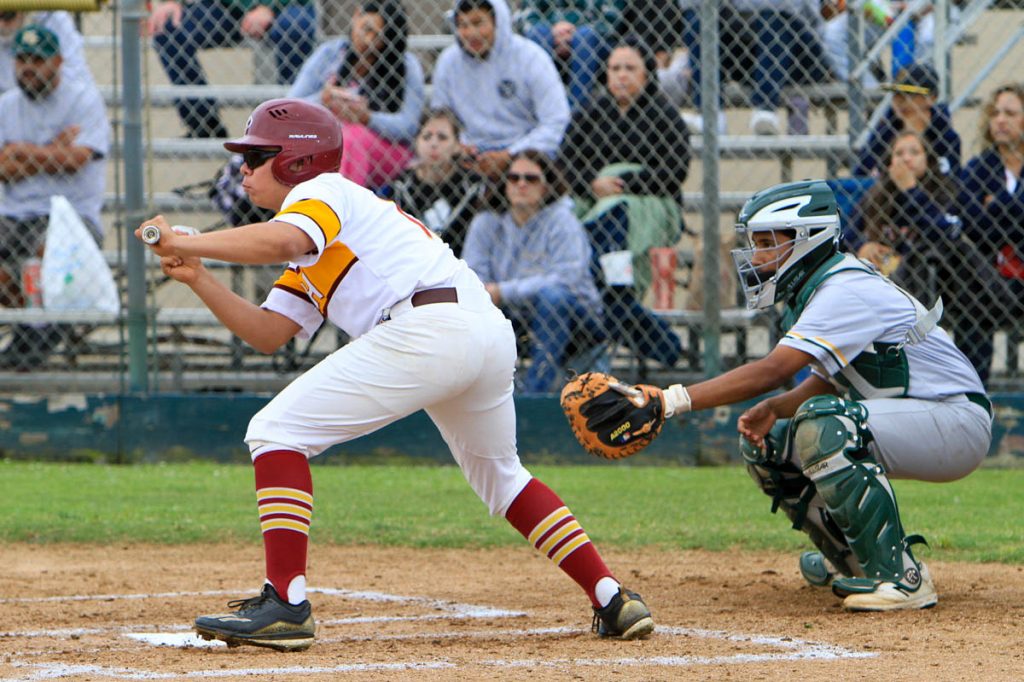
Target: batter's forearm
(258,244)
(261,329)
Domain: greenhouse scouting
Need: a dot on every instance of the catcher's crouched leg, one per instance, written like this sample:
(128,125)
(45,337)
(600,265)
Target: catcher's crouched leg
(794,493)
(830,436)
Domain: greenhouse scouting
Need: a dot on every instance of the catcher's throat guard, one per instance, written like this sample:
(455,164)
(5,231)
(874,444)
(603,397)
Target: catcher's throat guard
(611,419)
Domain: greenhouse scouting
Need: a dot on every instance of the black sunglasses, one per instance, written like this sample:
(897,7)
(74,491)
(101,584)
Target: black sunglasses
(254,158)
(529,178)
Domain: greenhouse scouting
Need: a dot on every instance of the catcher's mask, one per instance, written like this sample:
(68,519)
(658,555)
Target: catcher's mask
(785,232)
(297,130)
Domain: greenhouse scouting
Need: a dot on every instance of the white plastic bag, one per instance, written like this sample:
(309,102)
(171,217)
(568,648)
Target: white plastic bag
(75,275)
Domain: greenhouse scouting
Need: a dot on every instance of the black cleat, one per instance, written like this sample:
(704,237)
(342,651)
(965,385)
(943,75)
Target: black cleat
(625,617)
(266,620)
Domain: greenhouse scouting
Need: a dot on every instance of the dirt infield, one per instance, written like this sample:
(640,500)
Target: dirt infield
(124,612)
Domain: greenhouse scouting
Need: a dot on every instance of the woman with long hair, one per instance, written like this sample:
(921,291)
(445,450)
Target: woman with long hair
(993,179)
(914,221)
(534,259)
(375,87)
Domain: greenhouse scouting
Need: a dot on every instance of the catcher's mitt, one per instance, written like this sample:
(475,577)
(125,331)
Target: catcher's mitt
(609,418)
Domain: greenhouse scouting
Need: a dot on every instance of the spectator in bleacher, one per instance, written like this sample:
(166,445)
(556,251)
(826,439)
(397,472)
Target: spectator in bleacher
(534,259)
(659,25)
(72,46)
(437,189)
(575,33)
(993,178)
(503,87)
(787,49)
(55,138)
(914,108)
(627,155)
(913,220)
(835,38)
(735,55)
(180,30)
(375,86)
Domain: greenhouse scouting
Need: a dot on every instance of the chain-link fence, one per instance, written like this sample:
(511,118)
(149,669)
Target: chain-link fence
(578,155)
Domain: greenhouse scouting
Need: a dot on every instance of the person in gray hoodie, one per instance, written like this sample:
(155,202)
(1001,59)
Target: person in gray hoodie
(505,88)
(534,259)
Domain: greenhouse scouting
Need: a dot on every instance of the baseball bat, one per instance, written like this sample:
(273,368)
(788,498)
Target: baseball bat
(151,233)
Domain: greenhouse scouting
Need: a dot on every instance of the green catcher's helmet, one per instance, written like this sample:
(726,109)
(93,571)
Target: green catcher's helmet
(807,210)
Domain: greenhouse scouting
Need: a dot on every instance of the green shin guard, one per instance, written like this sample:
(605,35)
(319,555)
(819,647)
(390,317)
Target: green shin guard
(795,495)
(828,432)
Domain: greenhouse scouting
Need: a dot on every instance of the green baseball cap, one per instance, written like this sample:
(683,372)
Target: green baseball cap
(37,41)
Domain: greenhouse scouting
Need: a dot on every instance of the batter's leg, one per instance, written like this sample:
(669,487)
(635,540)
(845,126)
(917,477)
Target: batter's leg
(479,427)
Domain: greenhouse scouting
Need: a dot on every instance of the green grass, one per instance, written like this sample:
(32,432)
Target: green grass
(977,519)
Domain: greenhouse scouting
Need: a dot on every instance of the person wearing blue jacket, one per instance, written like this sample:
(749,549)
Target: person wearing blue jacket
(914,221)
(375,86)
(534,259)
(993,180)
(504,88)
(914,108)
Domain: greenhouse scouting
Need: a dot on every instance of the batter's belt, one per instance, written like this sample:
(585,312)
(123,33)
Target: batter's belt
(422,297)
(439,295)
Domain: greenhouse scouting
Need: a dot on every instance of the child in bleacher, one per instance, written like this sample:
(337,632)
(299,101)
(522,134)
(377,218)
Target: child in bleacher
(436,188)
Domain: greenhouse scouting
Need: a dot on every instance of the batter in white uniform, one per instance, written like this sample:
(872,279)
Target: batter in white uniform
(888,396)
(425,336)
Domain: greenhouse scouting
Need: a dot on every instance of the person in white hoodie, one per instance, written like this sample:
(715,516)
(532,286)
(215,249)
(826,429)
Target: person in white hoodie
(505,88)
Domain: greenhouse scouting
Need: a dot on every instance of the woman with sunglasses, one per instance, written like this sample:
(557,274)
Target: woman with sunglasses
(375,87)
(426,336)
(438,188)
(534,259)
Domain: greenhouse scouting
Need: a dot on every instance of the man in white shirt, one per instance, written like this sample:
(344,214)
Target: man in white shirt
(55,138)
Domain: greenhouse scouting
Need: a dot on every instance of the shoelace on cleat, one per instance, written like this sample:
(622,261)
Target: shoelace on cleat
(247,604)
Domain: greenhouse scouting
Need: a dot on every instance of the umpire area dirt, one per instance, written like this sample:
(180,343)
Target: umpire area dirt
(124,612)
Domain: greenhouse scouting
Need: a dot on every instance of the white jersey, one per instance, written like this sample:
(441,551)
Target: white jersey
(369,256)
(855,325)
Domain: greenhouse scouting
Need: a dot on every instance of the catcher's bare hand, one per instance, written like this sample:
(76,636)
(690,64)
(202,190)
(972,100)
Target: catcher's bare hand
(611,419)
(755,423)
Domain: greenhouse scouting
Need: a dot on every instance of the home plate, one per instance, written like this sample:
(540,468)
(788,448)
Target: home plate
(181,640)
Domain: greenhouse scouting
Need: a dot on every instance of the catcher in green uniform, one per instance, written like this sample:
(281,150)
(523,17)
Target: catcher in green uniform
(889,396)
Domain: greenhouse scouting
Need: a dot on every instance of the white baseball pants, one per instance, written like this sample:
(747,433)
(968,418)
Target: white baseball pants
(454,360)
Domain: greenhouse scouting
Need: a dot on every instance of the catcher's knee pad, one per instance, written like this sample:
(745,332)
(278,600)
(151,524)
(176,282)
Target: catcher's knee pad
(796,495)
(829,435)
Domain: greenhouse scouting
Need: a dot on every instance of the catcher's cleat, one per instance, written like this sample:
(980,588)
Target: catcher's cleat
(816,569)
(626,617)
(915,591)
(266,620)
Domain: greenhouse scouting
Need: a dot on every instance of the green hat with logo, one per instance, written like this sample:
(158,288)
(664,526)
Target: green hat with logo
(36,41)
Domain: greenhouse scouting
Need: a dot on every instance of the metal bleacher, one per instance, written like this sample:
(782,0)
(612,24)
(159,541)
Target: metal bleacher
(192,342)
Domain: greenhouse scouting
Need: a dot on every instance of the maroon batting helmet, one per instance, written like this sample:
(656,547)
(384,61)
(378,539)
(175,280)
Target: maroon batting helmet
(298,130)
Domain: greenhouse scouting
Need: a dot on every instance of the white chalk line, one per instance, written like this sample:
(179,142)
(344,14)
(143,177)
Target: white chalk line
(793,649)
(360,595)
